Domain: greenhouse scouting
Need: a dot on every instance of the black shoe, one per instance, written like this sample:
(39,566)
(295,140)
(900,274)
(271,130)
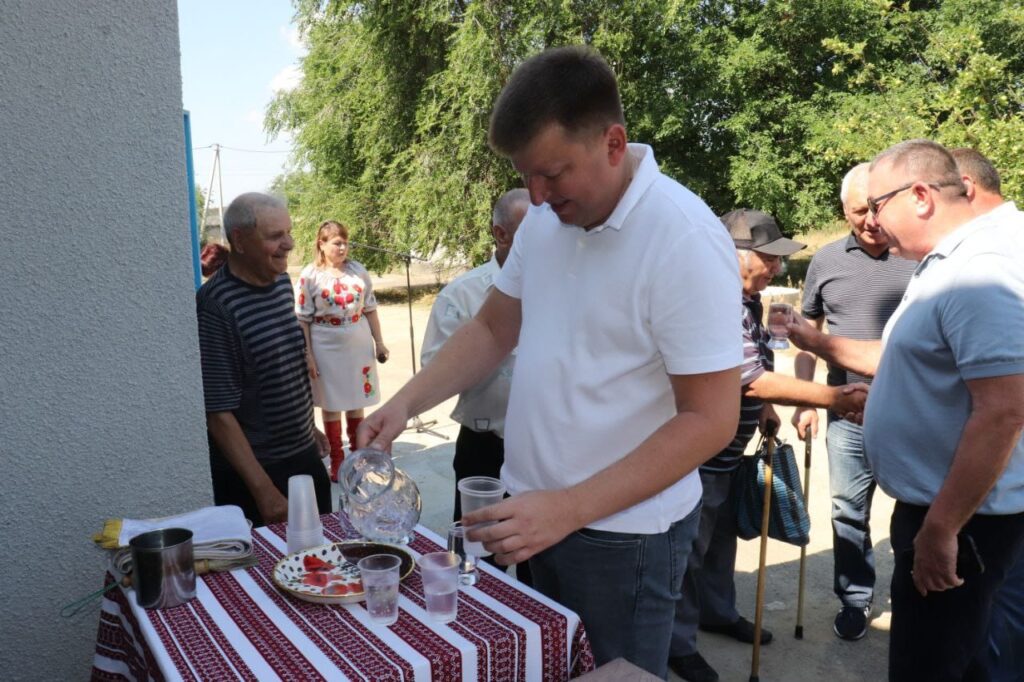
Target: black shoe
(742,631)
(692,668)
(851,622)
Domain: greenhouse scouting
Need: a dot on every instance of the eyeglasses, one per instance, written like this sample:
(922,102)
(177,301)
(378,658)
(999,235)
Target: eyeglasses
(875,203)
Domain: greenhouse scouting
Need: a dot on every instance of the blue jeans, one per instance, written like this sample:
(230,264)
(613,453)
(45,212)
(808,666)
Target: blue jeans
(709,588)
(852,486)
(624,586)
(1004,659)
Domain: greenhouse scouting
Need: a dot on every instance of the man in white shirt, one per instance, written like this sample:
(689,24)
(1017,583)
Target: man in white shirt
(622,298)
(480,446)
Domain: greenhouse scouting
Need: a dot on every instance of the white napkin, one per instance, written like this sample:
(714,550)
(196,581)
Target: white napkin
(217,533)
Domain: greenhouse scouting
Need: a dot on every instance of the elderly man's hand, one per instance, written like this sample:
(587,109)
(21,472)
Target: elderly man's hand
(935,560)
(526,524)
(803,334)
(848,401)
(804,418)
(380,428)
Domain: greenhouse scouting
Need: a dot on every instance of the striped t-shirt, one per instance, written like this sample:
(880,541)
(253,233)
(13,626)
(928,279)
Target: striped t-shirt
(855,292)
(252,353)
(757,359)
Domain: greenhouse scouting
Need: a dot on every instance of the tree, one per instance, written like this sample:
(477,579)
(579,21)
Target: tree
(823,85)
(397,141)
(760,103)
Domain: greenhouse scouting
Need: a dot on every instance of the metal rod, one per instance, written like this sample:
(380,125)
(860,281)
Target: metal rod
(415,423)
(798,632)
(220,192)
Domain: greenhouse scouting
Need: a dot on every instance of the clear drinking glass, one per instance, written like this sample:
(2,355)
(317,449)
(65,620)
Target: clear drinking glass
(779,315)
(468,574)
(475,493)
(439,572)
(379,573)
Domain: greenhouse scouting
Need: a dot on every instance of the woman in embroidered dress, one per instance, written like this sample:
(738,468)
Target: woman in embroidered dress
(338,312)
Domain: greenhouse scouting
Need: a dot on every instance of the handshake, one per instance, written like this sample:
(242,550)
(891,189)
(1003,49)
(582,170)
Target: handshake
(848,402)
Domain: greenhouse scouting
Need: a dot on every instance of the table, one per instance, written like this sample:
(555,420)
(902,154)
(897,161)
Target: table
(241,627)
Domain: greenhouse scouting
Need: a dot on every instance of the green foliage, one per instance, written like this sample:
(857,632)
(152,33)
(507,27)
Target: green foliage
(200,201)
(762,103)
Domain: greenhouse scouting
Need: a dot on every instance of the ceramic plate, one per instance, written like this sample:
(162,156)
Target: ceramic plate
(328,574)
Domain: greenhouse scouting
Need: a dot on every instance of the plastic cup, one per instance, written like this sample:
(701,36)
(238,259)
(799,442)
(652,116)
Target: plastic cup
(475,493)
(440,574)
(305,529)
(468,574)
(379,573)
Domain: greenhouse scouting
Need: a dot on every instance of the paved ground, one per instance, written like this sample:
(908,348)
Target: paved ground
(819,656)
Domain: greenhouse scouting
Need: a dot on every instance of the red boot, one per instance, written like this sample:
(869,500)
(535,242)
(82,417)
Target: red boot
(333,431)
(351,424)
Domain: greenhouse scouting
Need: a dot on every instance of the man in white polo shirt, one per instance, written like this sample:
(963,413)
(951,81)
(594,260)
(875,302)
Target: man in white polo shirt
(623,294)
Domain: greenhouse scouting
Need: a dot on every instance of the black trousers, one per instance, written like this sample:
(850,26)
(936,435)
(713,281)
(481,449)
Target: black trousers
(228,487)
(481,453)
(939,638)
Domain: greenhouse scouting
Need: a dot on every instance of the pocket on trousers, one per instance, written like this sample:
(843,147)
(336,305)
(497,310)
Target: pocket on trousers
(608,539)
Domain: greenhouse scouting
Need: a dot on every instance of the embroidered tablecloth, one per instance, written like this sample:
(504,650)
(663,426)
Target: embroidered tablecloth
(241,627)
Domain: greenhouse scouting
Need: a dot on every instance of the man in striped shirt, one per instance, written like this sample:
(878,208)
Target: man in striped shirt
(709,592)
(855,284)
(259,409)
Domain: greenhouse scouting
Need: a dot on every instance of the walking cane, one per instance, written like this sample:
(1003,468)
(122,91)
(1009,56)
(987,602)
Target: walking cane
(799,632)
(755,662)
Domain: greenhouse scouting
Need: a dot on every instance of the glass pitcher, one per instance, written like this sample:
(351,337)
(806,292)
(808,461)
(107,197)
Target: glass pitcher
(382,503)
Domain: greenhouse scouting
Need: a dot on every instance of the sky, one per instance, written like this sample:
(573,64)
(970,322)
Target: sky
(234,55)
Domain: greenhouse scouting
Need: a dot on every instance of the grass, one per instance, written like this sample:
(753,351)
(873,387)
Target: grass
(420,292)
(797,264)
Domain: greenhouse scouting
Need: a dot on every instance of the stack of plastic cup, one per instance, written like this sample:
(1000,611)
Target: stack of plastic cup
(440,574)
(304,527)
(475,493)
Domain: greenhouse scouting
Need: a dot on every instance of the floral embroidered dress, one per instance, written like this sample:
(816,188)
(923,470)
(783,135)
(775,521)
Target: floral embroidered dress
(342,343)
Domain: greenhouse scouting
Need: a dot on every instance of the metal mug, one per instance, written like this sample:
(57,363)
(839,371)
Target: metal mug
(163,568)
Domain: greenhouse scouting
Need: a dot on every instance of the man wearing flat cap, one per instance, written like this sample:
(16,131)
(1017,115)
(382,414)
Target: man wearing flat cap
(709,593)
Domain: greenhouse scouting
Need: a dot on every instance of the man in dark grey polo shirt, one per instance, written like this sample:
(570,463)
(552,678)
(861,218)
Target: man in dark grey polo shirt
(854,284)
(943,422)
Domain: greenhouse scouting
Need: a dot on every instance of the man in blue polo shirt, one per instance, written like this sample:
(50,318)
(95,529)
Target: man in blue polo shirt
(942,428)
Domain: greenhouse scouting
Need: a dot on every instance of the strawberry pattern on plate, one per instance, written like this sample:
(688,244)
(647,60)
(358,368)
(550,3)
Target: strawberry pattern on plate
(322,575)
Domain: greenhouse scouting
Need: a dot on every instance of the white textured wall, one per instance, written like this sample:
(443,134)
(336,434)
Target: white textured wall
(100,393)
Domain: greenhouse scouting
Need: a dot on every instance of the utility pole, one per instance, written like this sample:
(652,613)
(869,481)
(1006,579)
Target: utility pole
(215,173)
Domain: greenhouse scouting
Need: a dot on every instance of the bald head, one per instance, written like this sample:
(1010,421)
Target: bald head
(509,211)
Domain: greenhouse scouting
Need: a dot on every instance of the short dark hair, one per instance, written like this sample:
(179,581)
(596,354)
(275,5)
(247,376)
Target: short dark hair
(925,161)
(977,167)
(241,213)
(572,86)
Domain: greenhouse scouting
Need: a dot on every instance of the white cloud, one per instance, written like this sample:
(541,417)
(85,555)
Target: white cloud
(290,34)
(254,116)
(286,79)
